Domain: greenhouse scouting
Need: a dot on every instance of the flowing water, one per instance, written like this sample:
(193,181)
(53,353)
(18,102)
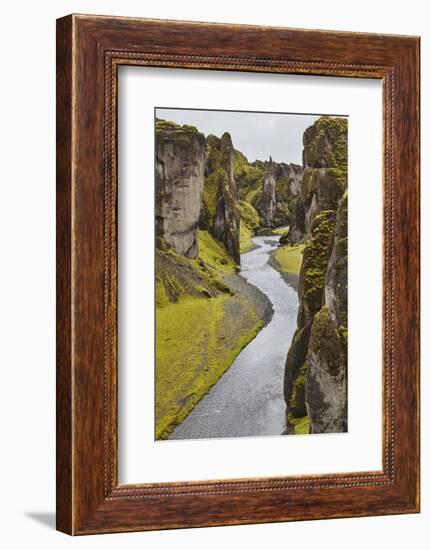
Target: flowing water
(248,398)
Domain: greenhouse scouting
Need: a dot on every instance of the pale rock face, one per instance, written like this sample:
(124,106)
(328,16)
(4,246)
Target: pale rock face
(326,385)
(268,203)
(287,187)
(295,174)
(180,165)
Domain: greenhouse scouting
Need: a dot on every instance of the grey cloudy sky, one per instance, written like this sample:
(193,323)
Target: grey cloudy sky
(257,135)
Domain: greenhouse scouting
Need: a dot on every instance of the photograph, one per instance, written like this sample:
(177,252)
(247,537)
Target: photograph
(200,200)
(251,273)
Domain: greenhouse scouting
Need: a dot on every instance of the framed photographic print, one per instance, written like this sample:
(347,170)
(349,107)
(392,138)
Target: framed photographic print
(237,274)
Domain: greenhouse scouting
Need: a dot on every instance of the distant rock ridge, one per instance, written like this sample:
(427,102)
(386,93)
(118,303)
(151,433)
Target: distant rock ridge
(267,203)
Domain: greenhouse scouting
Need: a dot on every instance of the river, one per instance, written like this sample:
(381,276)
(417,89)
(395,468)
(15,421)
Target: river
(248,398)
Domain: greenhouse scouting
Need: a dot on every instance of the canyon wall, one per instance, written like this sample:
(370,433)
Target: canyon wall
(219,213)
(180,165)
(316,366)
(324,174)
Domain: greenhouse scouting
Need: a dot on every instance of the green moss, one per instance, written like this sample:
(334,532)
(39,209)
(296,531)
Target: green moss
(239,162)
(316,256)
(297,407)
(178,277)
(249,178)
(289,258)
(191,294)
(213,253)
(250,223)
(340,177)
(249,215)
(325,341)
(283,188)
(310,185)
(280,230)
(189,360)
(327,129)
(180,135)
(215,181)
(245,238)
(162,298)
(343,333)
(301,426)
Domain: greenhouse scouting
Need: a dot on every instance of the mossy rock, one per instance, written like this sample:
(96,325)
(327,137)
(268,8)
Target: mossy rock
(310,186)
(219,213)
(315,261)
(178,277)
(326,378)
(183,136)
(325,340)
(249,215)
(297,406)
(325,143)
(336,281)
(296,358)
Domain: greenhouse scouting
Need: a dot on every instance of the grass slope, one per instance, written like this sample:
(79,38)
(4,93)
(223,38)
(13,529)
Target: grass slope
(250,222)
(289,258)
(197,341)
(200,329)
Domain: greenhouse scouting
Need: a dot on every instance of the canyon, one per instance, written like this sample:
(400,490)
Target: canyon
(213,304)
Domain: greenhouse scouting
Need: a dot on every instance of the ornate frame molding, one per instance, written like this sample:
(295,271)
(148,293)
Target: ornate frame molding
(90,49)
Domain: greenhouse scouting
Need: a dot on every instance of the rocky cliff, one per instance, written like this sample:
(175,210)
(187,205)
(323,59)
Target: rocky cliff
(324,174)
(219,214)
(267,202)
(316,365)
(180,165)
(275,200)
(326,384)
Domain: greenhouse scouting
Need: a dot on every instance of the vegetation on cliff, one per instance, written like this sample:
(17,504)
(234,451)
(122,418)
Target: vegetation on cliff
(316,366)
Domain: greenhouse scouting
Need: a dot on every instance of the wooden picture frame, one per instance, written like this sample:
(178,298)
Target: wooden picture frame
(89,51)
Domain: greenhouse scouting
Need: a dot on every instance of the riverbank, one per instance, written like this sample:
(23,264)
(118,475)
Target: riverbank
(197,340)
(248,399)
(287,260)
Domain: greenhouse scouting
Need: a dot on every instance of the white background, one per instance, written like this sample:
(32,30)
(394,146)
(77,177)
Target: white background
(27,275)
(141,458)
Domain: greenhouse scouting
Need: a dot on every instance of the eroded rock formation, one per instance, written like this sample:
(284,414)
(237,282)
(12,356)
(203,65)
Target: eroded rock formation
(316,365)
(180,165)
(324,176)
(219,214)
(326,387)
